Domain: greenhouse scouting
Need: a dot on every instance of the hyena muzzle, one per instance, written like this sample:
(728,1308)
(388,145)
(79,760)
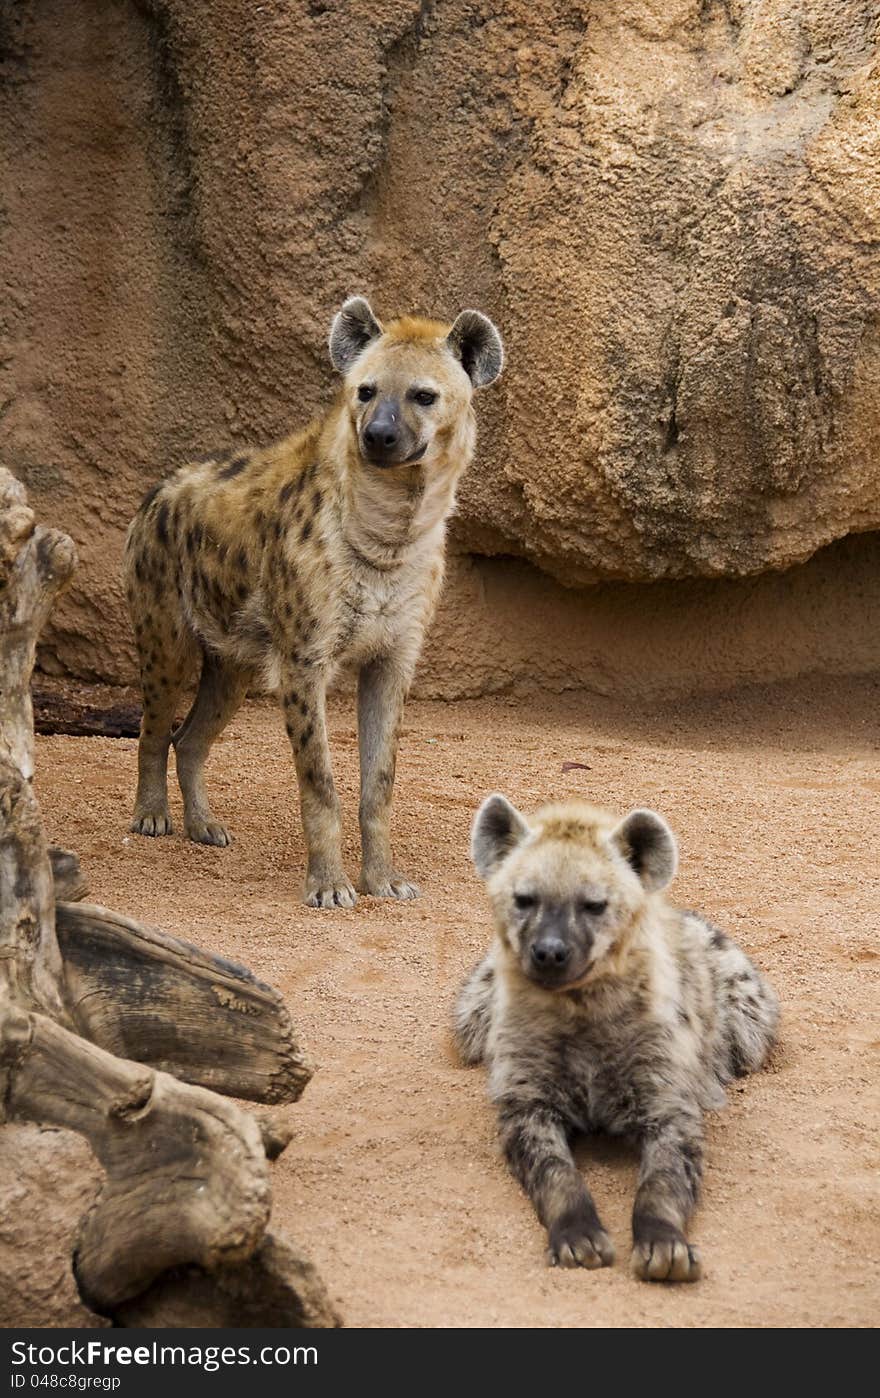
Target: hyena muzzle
(601,1007)
(277,566)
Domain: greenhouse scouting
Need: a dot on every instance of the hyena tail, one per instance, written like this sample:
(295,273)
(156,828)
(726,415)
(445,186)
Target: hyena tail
(473,1012)
(751,1014)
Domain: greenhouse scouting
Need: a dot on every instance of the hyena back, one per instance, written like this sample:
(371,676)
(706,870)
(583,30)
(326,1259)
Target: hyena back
(276,566)
(601,1007)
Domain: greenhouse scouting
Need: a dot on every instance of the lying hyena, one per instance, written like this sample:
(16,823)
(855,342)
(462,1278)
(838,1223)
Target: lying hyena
(280,565)
(602,1007)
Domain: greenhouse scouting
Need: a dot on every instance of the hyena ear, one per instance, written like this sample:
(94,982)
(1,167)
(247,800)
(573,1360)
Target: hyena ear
(497,829)
(647,843)
(474,340)
(352,330)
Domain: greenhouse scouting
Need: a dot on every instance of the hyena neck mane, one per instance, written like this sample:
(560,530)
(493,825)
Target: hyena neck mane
(391,516)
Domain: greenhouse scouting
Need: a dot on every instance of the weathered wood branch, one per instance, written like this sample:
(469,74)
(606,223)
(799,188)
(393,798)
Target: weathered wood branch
(34,564)
(147,996)
(73,710)
(276,1287)
(187,1179)
(68,879)
(100,1018)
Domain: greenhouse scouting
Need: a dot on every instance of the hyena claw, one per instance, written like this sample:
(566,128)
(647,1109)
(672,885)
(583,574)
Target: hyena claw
(208,832)
(335,894)
(152,824)
(666,1260)
(574,1247)
(391,887)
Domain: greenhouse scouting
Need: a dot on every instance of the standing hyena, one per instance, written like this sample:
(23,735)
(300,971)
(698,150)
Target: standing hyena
(279,565)
(602,1007)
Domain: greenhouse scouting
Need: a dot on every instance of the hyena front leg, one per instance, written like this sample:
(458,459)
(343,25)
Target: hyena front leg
(535,1143)
(381,694)
(669,1183)
(303,701)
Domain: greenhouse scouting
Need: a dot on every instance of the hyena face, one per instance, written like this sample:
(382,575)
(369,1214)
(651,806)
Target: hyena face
(409,387)
(567,886)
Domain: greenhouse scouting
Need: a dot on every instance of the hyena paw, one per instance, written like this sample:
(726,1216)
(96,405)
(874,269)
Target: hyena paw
(579,1240)
(207,832)
(152,823)
(664,1254)
(388,886)
(329,893)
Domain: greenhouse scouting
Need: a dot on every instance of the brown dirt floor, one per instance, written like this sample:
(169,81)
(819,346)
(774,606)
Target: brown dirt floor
(393,1182)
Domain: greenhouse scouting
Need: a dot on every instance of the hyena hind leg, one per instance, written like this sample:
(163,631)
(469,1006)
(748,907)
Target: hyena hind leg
(165,664)
(222,688)
(473,1012)
(751,1015)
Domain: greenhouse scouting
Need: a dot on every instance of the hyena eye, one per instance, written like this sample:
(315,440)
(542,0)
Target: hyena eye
(593,908)
(524,901)
(424,397)
(366,392)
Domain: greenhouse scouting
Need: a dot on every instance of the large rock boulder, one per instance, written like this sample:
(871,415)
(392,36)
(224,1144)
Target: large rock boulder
(49,1182)
(670,206)
(689,261)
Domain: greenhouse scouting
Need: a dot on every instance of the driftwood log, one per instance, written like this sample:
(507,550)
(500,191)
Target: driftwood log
(82,711)
(127,1036)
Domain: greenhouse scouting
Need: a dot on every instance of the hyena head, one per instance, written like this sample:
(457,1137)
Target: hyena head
(568,885)
(408,385)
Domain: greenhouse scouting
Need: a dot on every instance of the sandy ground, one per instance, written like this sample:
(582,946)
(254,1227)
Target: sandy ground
(393,1182)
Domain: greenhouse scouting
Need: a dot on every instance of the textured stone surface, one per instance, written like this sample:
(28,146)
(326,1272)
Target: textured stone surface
(505,626)
(48,1182)
(672,208)
(688,255)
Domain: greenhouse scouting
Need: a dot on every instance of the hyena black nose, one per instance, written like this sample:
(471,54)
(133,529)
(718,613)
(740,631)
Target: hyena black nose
(384,438)
(550,954)
(382,432)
